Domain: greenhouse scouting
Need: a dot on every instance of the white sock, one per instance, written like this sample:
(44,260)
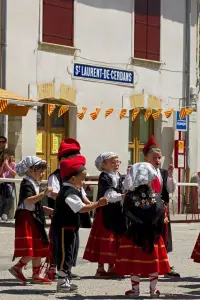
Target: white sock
(153,279)
(135,282)
(62,274)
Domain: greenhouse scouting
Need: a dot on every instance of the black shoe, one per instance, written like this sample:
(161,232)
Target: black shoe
(75,277)
(172,274)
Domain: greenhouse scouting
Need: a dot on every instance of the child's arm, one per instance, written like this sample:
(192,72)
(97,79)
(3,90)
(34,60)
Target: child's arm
(77,205)
(89,207)
(85,198)
(113,196)
(48,211)
(34,199)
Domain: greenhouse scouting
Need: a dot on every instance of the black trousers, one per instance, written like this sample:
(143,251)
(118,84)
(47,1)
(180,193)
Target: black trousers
(65,247)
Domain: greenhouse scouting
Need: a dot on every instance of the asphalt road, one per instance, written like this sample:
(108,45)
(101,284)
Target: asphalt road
(187,287)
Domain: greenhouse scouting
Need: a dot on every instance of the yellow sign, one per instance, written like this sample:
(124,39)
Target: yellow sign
(56,140)
(39,142)
(67,93)
(46,90)
(181,146)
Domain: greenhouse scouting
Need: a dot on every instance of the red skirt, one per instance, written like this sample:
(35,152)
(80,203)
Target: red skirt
(28,238)
(196,251)
(133,260)
(102,245)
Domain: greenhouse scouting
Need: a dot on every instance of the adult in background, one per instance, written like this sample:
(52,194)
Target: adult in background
(166,185)
(3,142)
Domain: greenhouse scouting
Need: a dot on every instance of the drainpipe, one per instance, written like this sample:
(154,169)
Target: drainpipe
(3,118)
(187,89)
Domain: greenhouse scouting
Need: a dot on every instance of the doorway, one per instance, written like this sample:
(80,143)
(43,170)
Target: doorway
(139,133)
(51,130)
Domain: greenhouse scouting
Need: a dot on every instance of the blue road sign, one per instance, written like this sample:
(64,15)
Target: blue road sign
(181,124)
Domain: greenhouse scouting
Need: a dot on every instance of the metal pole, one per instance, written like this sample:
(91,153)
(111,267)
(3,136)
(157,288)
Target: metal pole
(3,122)
(187,89)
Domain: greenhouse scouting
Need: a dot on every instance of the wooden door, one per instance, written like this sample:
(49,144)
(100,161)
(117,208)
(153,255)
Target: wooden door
(51,130)
(139,133)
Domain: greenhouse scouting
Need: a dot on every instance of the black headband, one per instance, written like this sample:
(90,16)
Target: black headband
(78,171)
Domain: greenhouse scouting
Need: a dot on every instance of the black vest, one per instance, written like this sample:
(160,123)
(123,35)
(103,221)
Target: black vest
(113,217)
(164,193)
(57,174)
(63,214)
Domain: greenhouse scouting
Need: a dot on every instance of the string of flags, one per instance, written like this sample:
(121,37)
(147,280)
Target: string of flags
(154,113)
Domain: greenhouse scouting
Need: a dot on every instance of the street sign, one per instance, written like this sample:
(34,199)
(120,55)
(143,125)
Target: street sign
(98,73)
(181,124)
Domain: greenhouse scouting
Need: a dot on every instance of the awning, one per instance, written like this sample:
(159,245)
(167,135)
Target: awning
(14,105)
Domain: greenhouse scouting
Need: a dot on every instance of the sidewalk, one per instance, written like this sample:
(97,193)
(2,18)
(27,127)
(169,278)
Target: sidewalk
(176,218)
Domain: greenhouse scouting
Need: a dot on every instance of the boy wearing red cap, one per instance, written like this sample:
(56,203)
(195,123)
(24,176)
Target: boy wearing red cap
(163,184)
(69,147)
(66,220)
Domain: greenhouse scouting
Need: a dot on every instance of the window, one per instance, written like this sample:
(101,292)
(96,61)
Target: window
(147,29)
(139,133)
(58,22)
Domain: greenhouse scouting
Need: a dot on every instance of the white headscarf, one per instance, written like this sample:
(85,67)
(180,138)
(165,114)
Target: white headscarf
(30,161)
(141,174)
(101,159)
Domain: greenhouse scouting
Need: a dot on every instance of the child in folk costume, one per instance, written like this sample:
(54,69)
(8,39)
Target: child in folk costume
(66,219)
(142,251)
(163,184)
(109,221)
(69,147)
(31,241)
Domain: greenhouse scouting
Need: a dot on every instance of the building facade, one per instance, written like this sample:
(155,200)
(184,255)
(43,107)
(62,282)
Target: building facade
(100,54)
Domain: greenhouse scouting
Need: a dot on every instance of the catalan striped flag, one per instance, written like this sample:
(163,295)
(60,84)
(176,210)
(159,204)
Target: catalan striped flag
(108,112)
(3,104)
(189,110)
(51,108)
(156,114)
(63,109)
(122,113)
(147,114)
(182,113)
(135,113)
(81,115)
(95,114)
(168,113)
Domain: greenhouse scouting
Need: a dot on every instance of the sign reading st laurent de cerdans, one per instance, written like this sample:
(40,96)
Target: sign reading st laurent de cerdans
(98,73)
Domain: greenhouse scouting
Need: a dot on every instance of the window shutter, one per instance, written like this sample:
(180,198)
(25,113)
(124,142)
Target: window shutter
(140,37)
(153,30)
(58,22)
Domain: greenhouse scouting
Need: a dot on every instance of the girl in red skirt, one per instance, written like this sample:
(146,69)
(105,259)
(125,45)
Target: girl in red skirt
(31,241)
(196,251)
(109,222)
(142,252)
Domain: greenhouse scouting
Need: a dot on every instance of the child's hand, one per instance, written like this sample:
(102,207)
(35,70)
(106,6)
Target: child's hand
(166,220)
(103,201)
(48,190)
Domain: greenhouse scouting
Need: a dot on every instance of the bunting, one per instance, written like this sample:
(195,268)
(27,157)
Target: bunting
(189,110)
(63,109)
(51,108)
(122,113)
(182,113)
(147,114)
(168,113)
(95,114)
(3,104)
(135,114)
(81,115)
(156,114)
(108,112)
